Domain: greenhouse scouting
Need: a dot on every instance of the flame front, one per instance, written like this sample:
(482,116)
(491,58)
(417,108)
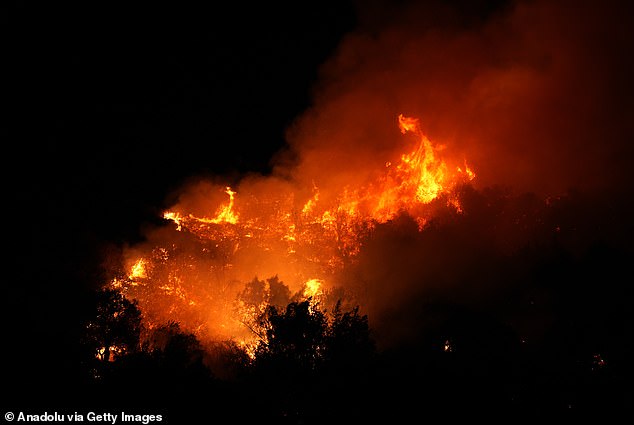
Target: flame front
(197,279)
(226,214)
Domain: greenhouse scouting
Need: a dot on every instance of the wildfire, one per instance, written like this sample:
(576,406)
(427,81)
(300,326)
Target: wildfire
(226,214)
(175,217)
(312,288)
(408,124)
(421,176)
(138,270)
(110,353)
(197,281)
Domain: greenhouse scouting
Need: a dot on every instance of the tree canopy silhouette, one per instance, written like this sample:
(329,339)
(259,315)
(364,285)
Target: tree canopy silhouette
(295,338)
(302,340)
(115,329)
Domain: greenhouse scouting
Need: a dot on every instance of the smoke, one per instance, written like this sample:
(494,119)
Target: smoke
(535,96)
(533,87)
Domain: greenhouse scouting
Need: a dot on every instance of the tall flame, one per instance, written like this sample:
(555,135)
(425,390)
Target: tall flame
(421,166)
(226,214)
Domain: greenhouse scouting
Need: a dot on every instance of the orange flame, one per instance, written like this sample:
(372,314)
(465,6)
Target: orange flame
(312,288)
(197,283)
(226,214)
(138,270)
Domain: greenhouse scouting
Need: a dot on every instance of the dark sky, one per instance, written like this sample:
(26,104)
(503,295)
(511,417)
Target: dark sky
(119,103)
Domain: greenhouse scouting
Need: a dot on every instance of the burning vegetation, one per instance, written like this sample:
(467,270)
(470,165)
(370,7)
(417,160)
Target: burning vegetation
(200,273)
(469,247)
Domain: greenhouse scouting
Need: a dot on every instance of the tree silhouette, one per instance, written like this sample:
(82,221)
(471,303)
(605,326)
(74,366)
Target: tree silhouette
(311,358)
(301,337)
(349,344)
(271,292)
(115,329)
(295,338)
(176,349)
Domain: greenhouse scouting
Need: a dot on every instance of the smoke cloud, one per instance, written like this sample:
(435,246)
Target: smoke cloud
(535,96)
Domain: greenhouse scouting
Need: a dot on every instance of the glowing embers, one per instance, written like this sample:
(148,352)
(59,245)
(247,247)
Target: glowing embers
(109,354)
(448,346)
(313,292)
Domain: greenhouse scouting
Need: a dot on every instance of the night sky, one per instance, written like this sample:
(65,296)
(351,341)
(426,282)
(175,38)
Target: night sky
(119,104)
(112,107)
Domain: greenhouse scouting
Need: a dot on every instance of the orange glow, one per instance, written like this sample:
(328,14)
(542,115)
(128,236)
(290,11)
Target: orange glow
(306,239)
(175,217)
(309,206)
(110,353)
(421,166)
(312,288)
(448,346)
(226,214)
(138,270)
(408,124)
(468,172)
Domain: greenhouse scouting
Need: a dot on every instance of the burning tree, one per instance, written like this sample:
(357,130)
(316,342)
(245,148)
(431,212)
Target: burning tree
(199,271)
